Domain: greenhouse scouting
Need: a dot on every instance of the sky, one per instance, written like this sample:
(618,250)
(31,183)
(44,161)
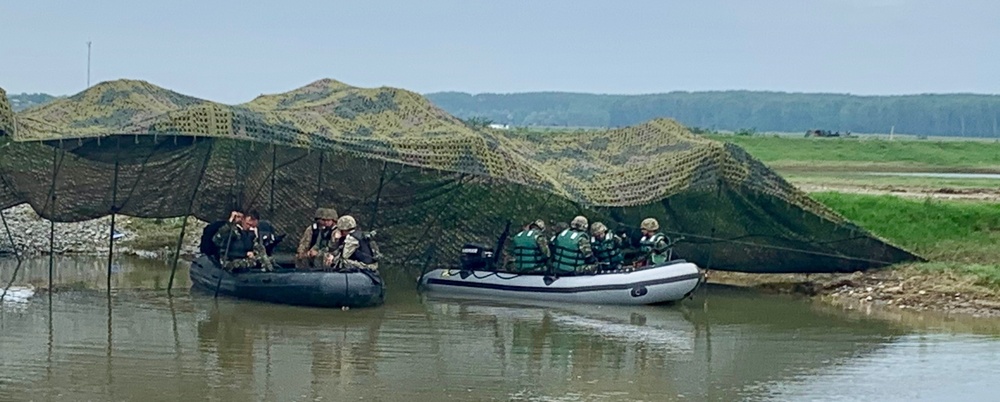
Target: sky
(233,51)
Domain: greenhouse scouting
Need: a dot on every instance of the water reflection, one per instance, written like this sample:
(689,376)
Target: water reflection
(723,345)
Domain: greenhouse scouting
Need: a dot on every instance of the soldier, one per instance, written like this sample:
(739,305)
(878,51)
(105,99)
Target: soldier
(531,249)
(240,246)
(654,245)
(607,247)
(316,239)
(572,253)
(354,249)
(558,228)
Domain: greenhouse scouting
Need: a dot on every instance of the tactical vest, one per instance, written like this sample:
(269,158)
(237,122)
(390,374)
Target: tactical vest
(566,255)
(607,251)
(364,252)
(646,244)
(241,242)
(316,231)
(527,256)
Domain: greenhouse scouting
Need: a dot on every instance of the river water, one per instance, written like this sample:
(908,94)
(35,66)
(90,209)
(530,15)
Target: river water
(725,344)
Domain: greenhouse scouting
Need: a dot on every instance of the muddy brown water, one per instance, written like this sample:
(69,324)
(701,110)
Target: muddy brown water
(724,344)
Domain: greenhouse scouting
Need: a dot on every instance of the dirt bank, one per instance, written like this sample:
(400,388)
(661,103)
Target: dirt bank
(971,194)
(893,289)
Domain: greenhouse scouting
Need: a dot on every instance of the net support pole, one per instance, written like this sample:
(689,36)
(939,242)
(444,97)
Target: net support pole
(378,197)
(274,168)
(10,237)
(52,222)
(319,179)
(180,238)
(114,213)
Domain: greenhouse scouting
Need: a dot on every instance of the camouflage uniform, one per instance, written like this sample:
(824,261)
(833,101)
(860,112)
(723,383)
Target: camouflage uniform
(234,243)
(356,250)
(319,242)
(531,249)
(655,246)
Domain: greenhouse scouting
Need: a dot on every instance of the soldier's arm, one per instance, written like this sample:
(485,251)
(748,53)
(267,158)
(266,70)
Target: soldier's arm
(661,245)
(221,237)
(543,246)
(350,246)
(304,241)
(585,247)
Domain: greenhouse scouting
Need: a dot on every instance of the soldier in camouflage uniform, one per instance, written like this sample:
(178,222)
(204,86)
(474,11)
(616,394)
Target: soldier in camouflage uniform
(654,245)
(317,239)
(531,249)
(353,249)
(240,244)
(572,253)
(607,247)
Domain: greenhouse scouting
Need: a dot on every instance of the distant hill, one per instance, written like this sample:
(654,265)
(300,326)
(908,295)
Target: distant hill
(23,101)
(941,115)
(944,115)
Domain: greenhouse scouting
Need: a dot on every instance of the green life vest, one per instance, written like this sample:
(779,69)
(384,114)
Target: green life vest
(607,251)
(527,256)
(646,244)
(566,254)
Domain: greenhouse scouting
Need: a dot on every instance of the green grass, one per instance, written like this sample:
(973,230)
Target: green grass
(156,234)
(952,231)
(793,154)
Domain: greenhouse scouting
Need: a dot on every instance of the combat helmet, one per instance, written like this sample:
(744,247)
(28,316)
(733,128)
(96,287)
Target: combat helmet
(540,224)
(649,224)
(326,213)
(598,228)
(346,222)
(578,223)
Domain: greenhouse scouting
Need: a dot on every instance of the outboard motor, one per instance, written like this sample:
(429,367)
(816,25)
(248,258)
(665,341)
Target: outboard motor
(476,257)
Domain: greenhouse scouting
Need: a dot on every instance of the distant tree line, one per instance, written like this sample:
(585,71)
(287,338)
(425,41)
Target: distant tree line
(941,115)
(23,101)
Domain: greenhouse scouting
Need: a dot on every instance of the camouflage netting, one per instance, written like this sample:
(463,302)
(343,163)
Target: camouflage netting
(417,174)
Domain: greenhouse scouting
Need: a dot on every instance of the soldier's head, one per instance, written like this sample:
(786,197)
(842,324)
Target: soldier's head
(326,217)
(346,223)
(236,216)
(578,223)
(251,219)
(598,230)
(560,226)
(649,226)
(538,224)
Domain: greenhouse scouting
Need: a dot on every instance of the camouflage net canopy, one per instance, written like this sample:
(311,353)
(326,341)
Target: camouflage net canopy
(418,175)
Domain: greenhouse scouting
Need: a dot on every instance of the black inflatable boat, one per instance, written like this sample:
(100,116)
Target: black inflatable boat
(287,285)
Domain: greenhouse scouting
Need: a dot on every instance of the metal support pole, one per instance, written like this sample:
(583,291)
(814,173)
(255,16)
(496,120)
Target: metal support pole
(52,212)
(274,168)
(180,239)
(114,213)
(10,237)
(378,196)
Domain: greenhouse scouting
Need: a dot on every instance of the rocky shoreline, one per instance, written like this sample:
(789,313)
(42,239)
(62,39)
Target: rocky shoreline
(30,234)
(891,289)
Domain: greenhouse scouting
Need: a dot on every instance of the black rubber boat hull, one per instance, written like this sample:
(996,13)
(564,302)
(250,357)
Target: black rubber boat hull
(288,286)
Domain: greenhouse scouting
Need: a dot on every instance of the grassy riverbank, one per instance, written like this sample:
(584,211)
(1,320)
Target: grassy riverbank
(866,154)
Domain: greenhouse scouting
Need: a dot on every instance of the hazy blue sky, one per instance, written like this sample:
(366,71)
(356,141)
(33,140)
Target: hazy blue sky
(231,51)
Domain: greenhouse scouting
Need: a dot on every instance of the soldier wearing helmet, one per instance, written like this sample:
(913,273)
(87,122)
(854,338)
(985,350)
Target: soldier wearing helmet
(571,252)
(354,249)
(316,239)
(607,247)
(654,245)
(531,249)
